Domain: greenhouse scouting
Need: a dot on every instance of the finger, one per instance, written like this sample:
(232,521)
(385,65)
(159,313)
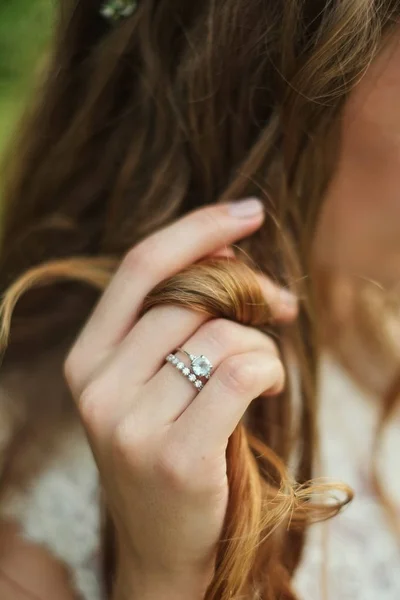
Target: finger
(169,392)
(142,353)
(159,256)
(206,424)
(138,358)
(225,252)
(283,304)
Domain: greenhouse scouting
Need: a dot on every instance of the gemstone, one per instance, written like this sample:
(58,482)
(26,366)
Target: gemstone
(198,384)
(186,371)
(192,377)
(170,357)
(175,360)
(180,366)
(201,366)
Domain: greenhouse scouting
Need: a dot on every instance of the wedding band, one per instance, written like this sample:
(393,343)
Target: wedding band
(200,367)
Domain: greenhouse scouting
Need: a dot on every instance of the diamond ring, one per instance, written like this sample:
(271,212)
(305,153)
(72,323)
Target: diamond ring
(201,366)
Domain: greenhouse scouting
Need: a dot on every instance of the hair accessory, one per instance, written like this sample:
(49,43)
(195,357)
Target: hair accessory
(114,10)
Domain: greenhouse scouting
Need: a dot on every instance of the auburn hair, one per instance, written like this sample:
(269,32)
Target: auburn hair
(181,105)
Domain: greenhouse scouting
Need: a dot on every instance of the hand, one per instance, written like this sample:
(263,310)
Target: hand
(158,442)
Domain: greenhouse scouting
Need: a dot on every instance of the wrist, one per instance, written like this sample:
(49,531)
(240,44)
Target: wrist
(145,586)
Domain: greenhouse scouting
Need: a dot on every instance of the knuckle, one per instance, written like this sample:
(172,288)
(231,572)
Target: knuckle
(277,375)
(90,405)
(142,257)
(238,373)
(271,346)
(220,331)
(128,445)
(208,219)
(71,369)
(77,369)
(173,467)
(211,217)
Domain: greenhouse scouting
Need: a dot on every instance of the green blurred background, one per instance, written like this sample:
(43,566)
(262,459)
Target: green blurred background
(25,30)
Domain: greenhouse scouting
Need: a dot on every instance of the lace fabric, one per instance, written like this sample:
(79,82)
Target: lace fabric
(60,510)
(355,556)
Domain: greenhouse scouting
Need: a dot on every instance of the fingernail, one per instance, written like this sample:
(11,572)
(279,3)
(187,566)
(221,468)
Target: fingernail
(288,299)
(246,208)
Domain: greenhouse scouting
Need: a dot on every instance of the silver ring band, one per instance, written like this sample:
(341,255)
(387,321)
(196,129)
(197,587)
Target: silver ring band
(174,360)
(200,366)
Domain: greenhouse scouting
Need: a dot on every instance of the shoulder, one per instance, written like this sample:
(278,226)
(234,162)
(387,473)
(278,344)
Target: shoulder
(51,488)
(27,569)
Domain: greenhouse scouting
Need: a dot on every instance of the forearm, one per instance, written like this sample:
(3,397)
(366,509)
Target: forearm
(158,590)
(129,586)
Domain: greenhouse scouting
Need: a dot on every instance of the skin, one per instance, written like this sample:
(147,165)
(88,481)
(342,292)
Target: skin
(44,574)
(170,557)
(148,449)
(163,463)
(359,229)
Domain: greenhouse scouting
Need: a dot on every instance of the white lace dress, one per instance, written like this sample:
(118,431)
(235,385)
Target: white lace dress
(60,509)
(355,556)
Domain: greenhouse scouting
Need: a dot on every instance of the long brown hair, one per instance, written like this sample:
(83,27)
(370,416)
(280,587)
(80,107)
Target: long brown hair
(181,105)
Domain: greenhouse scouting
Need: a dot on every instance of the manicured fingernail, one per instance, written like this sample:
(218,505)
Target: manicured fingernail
(288,299)
(246,208)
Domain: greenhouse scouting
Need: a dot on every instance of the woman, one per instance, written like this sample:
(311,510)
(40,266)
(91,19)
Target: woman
(156,120)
